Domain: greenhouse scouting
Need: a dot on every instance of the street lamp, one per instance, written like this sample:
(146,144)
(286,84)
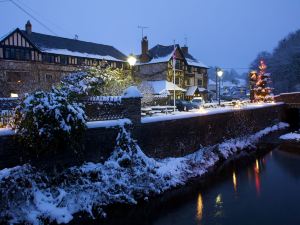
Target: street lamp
(219,74)
(132,61)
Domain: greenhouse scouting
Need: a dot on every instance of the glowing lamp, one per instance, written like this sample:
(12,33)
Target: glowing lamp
(131,60)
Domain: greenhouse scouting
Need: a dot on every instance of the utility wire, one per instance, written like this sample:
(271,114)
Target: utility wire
(43,17)
(29,14)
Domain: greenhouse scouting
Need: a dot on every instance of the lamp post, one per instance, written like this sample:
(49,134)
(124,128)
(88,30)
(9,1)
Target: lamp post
(132,61)
(219,74)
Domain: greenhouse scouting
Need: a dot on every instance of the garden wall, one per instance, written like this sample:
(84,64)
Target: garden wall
(174,137)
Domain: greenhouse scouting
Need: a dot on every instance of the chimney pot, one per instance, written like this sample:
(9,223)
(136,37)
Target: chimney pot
(185,49)
(28,27)
(144,55)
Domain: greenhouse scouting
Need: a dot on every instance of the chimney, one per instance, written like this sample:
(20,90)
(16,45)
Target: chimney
(185,49)
(144,55)
(28,27)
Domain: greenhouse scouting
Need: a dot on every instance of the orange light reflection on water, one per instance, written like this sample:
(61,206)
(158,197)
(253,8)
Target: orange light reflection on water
(199,207)
(257,177)
(234,181)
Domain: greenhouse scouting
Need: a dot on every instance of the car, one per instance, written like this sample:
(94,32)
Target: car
(197,102)
(183,105)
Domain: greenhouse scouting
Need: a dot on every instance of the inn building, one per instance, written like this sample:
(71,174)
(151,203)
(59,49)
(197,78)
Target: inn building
(32,61)
(156,67)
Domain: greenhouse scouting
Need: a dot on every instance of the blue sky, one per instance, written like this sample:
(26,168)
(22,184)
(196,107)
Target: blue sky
(227,33)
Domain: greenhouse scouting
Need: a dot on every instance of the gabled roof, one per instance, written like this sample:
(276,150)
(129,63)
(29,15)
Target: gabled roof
(65,46)
(162,53)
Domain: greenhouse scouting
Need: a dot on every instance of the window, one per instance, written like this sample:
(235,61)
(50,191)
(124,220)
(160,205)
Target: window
(49,77)
(80,61)
(178,65)
(189,69)
(199,82)
(64,60)
(17,53)
(14,94)
(48,58)
(177,80)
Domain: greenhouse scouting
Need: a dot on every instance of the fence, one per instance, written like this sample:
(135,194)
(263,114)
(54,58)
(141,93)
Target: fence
(103,107)
(97,108)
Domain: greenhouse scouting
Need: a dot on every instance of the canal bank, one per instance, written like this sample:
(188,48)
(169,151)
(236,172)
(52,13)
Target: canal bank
(239,174)
(100,189)
(148,210)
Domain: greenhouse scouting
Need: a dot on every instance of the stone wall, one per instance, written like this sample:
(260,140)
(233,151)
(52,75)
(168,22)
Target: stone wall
(35,76)
(179,137)
(171,138)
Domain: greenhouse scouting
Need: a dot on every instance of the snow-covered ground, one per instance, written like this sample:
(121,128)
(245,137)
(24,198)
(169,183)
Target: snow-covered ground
(28,195)
(291,136)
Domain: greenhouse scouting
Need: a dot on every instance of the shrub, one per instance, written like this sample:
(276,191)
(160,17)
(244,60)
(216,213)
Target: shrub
(46,122)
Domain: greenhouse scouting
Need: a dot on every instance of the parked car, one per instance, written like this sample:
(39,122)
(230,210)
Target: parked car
(183,105)
(197,102)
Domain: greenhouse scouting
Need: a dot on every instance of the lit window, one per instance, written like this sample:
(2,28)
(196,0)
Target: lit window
(14,95)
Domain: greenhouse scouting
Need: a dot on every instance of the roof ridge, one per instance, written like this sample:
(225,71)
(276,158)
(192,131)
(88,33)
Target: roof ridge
(67,38)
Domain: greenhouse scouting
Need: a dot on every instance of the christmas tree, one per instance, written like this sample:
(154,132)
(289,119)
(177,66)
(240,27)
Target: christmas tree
(259,85)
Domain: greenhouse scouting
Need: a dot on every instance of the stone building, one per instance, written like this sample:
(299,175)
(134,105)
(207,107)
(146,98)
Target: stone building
(33,61)
(156,67)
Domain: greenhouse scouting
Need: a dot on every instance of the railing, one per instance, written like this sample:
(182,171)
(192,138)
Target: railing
(103,108)
(6,117)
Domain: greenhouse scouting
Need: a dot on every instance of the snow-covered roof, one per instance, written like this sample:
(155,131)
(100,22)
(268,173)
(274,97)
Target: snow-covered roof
(73,47)
(191,90)
(195,62)
(162,87)
(78,54)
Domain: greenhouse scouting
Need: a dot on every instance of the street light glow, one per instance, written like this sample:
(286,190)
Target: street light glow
(131,60)
(220,73)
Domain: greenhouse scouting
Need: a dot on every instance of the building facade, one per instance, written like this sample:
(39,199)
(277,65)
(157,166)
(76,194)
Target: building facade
(32,61)
(156,65)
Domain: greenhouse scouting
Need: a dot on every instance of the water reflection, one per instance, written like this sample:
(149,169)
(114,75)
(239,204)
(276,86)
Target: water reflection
(257,177)
(234,181)
(219,206)
(199,207)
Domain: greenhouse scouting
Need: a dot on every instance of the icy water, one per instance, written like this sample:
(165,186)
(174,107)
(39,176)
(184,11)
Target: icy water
(267,191)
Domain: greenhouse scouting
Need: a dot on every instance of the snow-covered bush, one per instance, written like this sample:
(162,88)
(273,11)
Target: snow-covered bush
(96,80)
(48,122)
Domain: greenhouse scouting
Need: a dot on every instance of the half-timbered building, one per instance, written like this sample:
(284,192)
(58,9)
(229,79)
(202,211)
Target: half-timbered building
(31,61)
(156,65)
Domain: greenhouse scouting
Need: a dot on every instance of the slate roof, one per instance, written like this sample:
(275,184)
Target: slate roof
(45,42)
(162,53)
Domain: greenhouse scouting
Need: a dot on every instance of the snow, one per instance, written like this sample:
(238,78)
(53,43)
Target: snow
(107,123)
(191,90)
(79,54)
(30,196)
(204,112)
(291,136)
(159,59)
(192,62)
(162,87)
(6,132)
(105,98)
(132,92)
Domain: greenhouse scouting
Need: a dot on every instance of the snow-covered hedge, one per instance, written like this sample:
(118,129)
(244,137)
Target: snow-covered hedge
(47,121)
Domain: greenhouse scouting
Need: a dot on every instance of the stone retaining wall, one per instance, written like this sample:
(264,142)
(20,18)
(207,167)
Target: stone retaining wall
(171,138)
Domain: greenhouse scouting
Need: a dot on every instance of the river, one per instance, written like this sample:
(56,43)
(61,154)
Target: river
(265,191)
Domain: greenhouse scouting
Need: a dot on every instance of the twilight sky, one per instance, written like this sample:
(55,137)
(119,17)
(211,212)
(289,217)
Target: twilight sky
(226,33)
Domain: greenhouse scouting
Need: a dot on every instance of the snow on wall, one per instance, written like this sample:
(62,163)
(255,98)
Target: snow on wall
(291,136)
(184,115)
(98,184)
